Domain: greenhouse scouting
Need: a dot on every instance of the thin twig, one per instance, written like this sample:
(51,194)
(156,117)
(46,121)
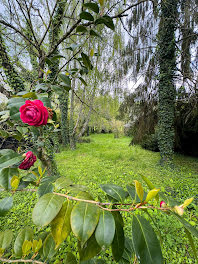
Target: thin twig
(21,260)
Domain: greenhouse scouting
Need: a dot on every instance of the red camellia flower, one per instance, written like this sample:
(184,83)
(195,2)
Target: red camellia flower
(28,162)
(162,204)
(34,113)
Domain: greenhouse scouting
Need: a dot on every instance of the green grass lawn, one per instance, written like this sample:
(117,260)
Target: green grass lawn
(109,160)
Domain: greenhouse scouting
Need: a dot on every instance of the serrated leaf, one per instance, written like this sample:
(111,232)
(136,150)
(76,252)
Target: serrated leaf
(92,6)
(60,226)
(117,245)
(139,190)
(86,16)
(26,248)
(152,194)
(6,176)
(114,191)
(90,249)
(46,209)
(146,245)
(81,29)
(5,205)
(105,230)
(84,218)
(49,247)
(25,234)
(15,182)
(10,160)
(5,239)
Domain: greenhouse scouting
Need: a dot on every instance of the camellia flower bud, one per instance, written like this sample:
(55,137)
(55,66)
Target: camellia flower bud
(28,162)
(162,204)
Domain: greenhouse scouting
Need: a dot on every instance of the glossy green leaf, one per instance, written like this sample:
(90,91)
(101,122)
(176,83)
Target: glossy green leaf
(81,29)
(119,239)
(86,60)
(145,242)
(128,254)
(60,226)
(84,218)
(36,245)
(10,160)
(150,185)
(107,21)
(5,205)
(25,234)
(94,33)
(49,247)
(62,183)
(6,175)
(5,239)
(44,188)
(70,259)
(191,243)
(14,182)
(152,194)
(30,177)
(90,249)
(92,6)
(86,16)
(105,230)
(26,248)
(82,81)
(139,190)
(114,191)
(65,79)
(46,209)
(188,226)
(4,152)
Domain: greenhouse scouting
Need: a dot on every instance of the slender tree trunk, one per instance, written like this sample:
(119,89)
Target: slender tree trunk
(71,119)
(13,78)
(167,92)
(63,99)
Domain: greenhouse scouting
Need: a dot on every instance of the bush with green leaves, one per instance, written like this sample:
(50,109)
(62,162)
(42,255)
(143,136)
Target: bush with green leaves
(66,210)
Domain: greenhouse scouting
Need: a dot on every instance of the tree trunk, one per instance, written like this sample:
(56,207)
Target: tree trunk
(63,99)
(71,119)
(167,91)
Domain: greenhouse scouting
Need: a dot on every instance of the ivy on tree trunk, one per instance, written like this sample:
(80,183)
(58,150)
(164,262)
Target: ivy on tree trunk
(167,91)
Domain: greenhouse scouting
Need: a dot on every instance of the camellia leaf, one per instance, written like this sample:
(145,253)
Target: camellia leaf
(86,16)
(188,226)
(114,191)
(105,230)
(139,190)
(46,209)
(150,185)
(84,218)
(152,194)
(60,226)
(36,245)
(10,160)
(46,187)
(5,239)
(15,182)
(90,249)
(62,183)
(5,205)
(6,175)
(49,247)
(118,241)
(25,234)
(26,248)
(92,6)
(187,202)
(128,252)
(81,29)
(191,243)
(146,245)
(70,259)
